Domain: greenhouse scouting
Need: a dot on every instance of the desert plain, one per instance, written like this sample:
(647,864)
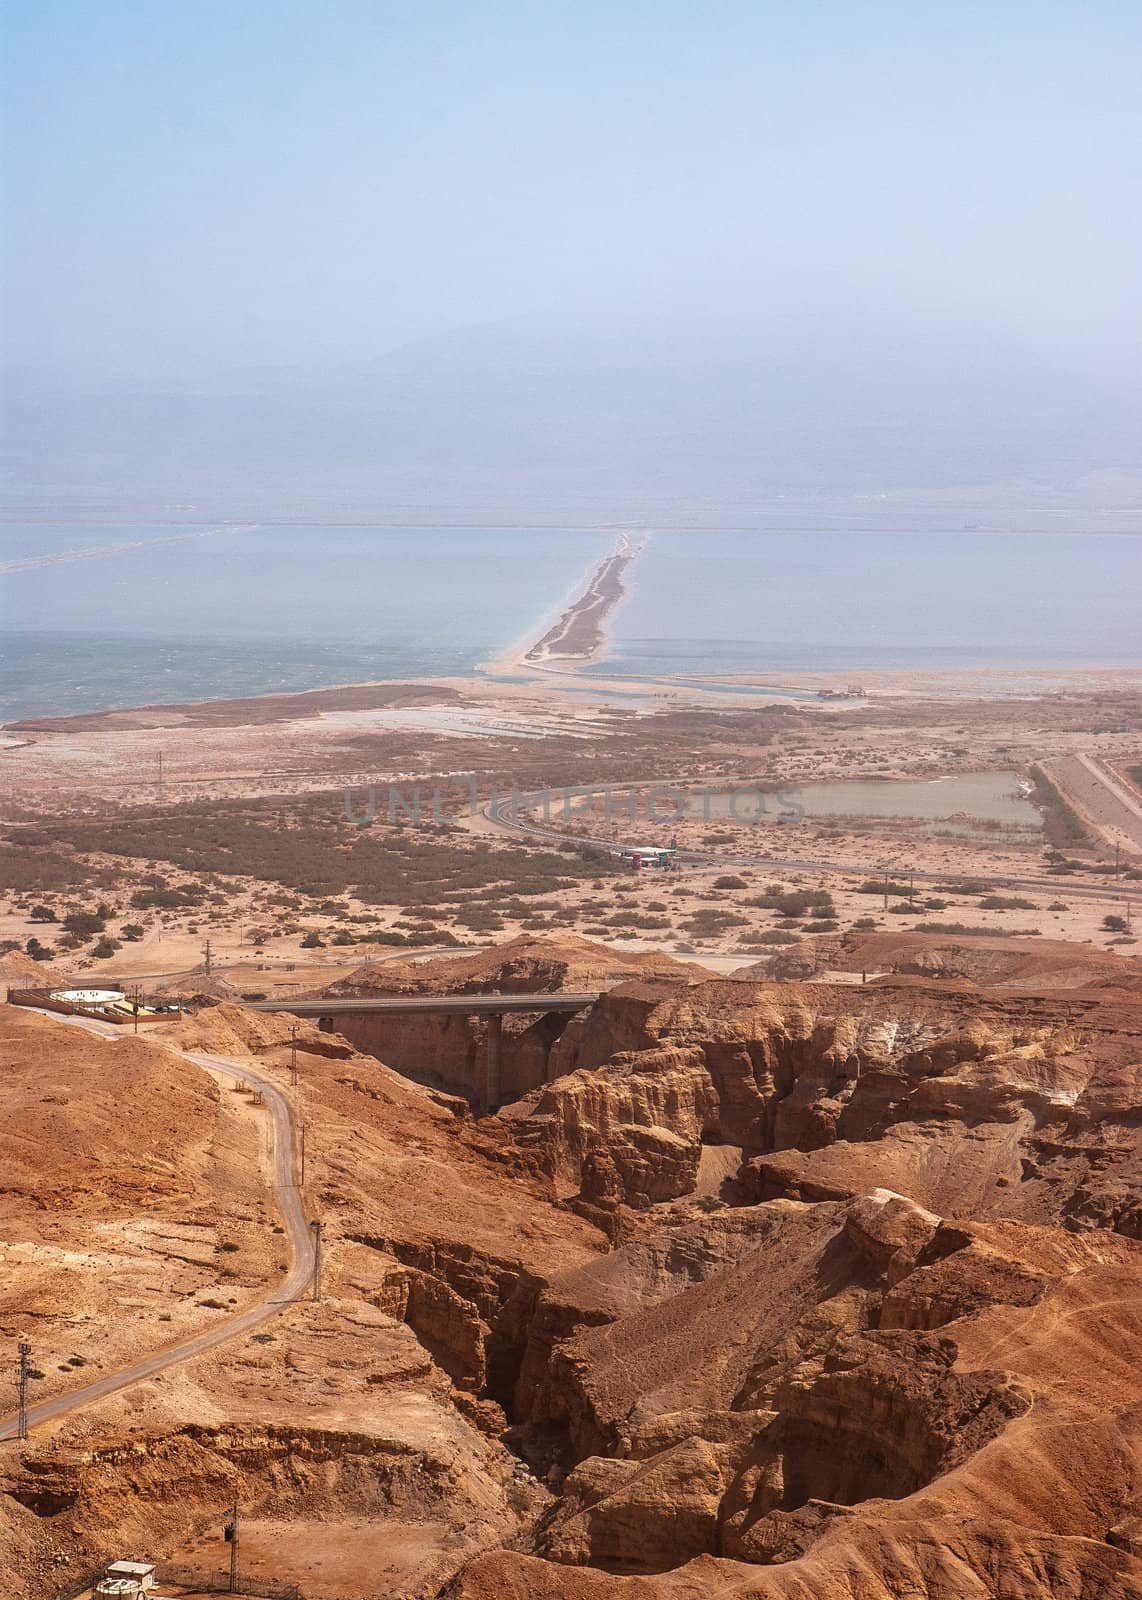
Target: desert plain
(801,1260)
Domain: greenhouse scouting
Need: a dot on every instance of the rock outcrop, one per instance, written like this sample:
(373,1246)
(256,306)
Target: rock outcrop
(450,1052)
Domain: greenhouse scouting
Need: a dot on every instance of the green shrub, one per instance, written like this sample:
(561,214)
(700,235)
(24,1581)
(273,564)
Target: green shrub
(878,886)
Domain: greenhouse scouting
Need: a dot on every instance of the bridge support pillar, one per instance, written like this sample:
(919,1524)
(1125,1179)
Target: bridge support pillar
(492,1045)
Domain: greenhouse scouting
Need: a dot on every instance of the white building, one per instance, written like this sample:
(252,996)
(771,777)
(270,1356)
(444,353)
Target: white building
(126,1580)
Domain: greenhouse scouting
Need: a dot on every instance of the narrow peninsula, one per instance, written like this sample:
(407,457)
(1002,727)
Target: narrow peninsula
(580,633)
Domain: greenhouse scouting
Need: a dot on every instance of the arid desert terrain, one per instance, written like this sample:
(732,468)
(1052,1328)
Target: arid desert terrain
(780,1237)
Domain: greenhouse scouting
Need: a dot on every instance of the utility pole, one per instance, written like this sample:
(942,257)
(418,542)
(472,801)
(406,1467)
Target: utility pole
(136,1002)
(293,1055)
(25,1372)
(316,1290)
(206,953)
(234,1516)
(886,888)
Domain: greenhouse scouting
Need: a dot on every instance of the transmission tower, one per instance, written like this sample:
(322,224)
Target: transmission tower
(207,953)
(25,1372)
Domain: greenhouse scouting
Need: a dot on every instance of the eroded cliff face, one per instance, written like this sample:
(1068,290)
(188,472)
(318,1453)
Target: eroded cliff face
(776,1290)
(450,1053)
(1016,1106)
(860,1369)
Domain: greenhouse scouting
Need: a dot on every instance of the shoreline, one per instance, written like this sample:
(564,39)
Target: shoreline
(281,707)
(579,636)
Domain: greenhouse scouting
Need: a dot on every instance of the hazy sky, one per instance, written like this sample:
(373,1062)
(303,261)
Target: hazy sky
(210,186)
(272,181)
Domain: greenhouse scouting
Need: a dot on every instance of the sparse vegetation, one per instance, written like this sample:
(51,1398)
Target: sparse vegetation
(1063,823)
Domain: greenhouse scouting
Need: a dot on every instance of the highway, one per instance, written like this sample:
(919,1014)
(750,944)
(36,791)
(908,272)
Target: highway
(500,816)
(292,1287)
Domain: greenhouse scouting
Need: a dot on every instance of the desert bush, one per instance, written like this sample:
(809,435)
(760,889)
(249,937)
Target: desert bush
(168,899)
(637,919)
(794,902)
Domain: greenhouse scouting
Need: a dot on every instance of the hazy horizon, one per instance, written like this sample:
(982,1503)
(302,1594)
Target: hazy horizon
(591,264)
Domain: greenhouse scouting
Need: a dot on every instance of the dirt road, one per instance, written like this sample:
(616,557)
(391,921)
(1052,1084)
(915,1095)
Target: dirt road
(1102,797)
(293,1287)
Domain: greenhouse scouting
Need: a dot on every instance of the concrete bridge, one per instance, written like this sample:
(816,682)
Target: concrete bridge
(492,1006)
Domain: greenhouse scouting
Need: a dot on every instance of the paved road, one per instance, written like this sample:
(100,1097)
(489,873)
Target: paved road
(500,816)
(293,1286)
(441,1005)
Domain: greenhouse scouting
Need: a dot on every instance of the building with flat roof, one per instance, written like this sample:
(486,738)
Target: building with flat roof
(126,1580)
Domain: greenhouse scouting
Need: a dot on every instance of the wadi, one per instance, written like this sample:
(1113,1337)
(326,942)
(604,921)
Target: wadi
(465,1208)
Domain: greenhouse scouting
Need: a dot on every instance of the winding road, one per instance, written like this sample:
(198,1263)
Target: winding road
(504,814)
(290,1289)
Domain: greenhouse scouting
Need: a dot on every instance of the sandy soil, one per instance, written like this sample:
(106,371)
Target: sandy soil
(523,736)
